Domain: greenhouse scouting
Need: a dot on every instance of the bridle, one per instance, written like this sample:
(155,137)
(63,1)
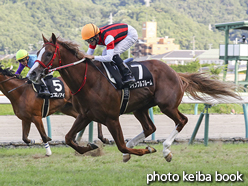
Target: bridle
(49,65)
(49,68)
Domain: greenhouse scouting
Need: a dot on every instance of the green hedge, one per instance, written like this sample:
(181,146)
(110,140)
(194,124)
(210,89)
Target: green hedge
(193,66)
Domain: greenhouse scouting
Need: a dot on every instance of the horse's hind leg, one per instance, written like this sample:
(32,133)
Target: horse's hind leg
(100,135)
(148,129)
(180,121)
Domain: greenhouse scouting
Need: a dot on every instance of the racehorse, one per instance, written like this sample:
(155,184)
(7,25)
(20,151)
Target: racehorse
(28,107)
(95,99)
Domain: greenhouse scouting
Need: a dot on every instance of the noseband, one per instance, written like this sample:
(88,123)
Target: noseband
(50,64)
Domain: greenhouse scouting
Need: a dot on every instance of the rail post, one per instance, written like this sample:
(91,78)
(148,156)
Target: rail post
(49,129)
(151,116)
(206,125)
(246,118)
(196,109)
(79,136)
(91,131)
(196,128)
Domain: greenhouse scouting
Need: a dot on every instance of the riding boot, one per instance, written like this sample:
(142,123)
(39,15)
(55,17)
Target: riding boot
(127,76)
(44,90)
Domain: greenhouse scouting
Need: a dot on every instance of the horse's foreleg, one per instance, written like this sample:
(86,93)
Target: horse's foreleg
(39,125)
(100,135)
(25,131)
(148,129)
(79,124)
(116,131)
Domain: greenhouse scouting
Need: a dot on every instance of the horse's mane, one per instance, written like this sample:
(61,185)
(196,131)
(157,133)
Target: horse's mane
(8,72)
(73,47)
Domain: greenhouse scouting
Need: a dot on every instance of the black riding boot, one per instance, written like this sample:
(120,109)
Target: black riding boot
(44,90)
(127,76)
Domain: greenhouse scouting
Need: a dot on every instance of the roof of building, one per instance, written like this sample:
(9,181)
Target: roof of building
(175,55)
(210,54)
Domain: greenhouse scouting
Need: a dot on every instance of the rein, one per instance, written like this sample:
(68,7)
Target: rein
(10,79)
(7,79)
(17,87)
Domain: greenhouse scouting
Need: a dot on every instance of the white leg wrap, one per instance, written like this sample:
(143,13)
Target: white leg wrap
(135,140)
(167,143)
(48,150)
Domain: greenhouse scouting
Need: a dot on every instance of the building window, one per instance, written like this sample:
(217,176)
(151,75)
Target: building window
(158,48)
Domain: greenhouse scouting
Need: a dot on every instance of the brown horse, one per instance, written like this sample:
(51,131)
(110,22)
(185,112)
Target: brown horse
(28,107)
(97,100)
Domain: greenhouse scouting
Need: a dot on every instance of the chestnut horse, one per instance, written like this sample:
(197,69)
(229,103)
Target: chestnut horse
(28,107)
(97,100)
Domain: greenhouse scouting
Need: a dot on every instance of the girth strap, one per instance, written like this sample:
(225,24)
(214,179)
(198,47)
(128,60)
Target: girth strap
(45,107)
(125,93)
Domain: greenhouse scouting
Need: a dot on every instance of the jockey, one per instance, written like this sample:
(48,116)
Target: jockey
(28,60)
(117,38)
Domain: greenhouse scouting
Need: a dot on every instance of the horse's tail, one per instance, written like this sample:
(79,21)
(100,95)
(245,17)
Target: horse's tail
(195,83)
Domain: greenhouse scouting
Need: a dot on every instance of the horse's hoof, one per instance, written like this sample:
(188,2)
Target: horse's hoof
(126,157)
(92,146)
(106,141)
(169,157)
(151,149)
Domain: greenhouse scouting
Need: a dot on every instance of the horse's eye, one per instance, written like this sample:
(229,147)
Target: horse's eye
(49,54)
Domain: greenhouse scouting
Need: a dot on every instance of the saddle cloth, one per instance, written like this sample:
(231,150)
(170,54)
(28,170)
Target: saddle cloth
(142,75)
(54,85)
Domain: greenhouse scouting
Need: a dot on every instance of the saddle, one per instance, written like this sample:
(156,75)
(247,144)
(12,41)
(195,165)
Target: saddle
(55,87)
(141,74)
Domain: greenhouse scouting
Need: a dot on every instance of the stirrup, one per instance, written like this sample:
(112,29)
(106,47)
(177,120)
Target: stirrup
(44,93)
(129,79)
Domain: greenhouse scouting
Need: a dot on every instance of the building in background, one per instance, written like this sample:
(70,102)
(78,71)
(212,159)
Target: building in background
(150,44)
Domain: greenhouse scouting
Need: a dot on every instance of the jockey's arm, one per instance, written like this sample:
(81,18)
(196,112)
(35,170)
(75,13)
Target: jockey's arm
(20,68)
(109,42)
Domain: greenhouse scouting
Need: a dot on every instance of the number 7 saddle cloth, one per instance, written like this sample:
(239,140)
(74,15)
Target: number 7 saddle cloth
(142,75)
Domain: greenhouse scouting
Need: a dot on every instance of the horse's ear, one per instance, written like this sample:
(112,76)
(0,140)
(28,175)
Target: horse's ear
(44,39)
(54,39)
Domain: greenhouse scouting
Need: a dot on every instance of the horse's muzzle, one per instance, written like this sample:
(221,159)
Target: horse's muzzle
(35,77)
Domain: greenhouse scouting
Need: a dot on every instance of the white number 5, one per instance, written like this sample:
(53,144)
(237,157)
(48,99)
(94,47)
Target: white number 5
(57,85)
